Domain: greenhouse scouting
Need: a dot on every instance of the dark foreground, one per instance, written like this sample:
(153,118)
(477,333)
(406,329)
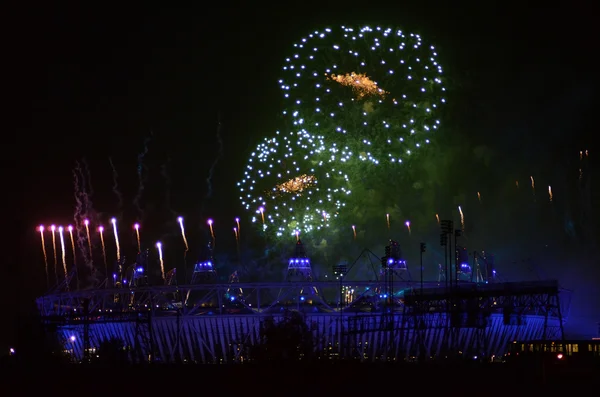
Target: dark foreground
(287,378)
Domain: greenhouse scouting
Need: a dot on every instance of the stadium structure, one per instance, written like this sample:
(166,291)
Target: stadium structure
(467,311)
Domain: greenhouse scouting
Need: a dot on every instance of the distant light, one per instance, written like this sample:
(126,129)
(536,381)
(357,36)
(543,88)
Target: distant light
(158,245)
(180,219)
(210,221)
(86,222)
(52,227)
(113,220)
(136,226)
(70,228)
(559,356)
(72,338)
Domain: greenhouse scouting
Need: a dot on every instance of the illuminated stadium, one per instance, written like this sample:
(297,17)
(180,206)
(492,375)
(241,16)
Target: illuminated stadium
(390,317)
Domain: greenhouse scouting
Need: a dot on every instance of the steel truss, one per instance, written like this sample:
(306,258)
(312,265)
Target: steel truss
(207,323)
(471,307)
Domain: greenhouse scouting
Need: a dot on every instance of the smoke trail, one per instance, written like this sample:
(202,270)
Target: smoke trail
(140,169)
(83,211)
(115,187)
(164,171)
(211,171)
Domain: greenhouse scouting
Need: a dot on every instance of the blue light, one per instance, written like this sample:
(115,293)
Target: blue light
(232,298)
(139,270)
(302,298)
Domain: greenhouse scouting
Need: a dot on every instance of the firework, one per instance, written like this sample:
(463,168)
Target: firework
(354,97)
(160,259)
(101,231)
(63,250)
(87,232)
(180,220)
(117,245)
(296,178)
(53,230)
(462,218)
(136,226)
(70,229)
(376,91)
(212,232)
(41,230)
(407,223)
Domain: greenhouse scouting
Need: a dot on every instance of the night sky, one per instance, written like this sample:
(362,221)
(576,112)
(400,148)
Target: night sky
(96,83)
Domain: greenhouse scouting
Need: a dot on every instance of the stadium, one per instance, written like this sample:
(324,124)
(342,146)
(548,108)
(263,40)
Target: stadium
(389,318)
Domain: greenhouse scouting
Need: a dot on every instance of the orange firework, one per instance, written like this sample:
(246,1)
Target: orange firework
(212,232)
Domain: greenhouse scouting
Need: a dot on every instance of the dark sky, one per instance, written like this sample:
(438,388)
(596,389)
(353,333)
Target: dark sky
(95,82)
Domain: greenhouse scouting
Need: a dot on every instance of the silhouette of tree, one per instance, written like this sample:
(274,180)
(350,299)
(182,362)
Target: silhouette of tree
(112,351)
(289,339)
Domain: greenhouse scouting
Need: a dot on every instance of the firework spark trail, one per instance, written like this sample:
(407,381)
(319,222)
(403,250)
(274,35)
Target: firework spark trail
(53,230)
(137,236)
(101,231)
(86,222)
(550,196)
(532,186)
(115,187)
(70,229)
(160,259)
(462,219)
(479,196)
(354,231)
(407,223)
(212,232)
(437,218)
(117,245)
(387,220)
(140,170)
(180,220)
(45,254)
(63,251)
